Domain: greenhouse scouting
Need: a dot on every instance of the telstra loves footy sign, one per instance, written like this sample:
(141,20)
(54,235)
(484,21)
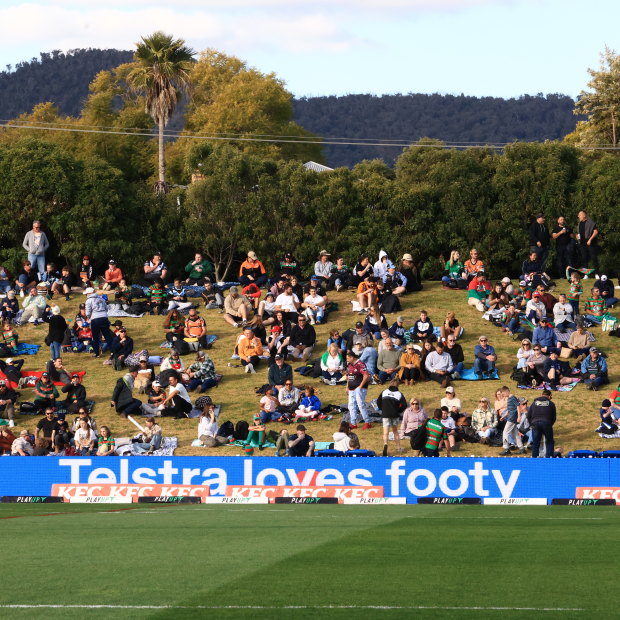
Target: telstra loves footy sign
(398,477)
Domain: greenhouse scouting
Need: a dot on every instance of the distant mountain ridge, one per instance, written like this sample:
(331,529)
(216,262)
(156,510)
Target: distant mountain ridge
(63,78)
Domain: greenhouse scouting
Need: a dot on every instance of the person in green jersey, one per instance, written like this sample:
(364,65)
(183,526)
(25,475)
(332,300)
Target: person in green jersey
(435,432)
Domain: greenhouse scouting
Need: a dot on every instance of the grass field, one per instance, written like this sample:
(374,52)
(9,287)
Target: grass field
(577,410)
(326,561)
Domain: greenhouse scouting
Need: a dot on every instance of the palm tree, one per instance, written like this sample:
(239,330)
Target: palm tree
(161,71)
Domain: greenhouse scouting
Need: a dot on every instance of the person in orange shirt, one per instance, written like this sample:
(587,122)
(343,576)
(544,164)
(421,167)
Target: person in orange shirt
(112,276)
(252,271)
(249,349)
(473,265)
(367,293)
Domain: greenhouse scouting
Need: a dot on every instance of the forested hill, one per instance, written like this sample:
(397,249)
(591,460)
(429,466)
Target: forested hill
(63,78)
(444,117)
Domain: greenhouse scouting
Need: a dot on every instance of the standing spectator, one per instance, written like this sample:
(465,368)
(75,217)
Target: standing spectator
(323,267)
(97,315)
(357,382)
(541,416)
(198,270)
(112,276)
(252,270)
(587,237)
(435,434)
(564,242)
(439,365)
(485,358)
(484,420)
(122,397)
(540,239)
(56,333)
(392,403)
(512,419)
(36,244)
(594,370)
(154,269)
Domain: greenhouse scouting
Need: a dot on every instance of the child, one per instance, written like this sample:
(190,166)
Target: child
(83,335)
(310,405)
(575,291)
(122,295)
(448,423)
(63,284)
(269,407)
(609,418)
(10,306)
(10,336)
(256,436)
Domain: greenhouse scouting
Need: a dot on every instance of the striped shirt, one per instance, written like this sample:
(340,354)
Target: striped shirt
(435,432)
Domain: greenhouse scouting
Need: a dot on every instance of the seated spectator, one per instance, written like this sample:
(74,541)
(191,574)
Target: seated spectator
(27,278)
(547,299)
(447,421)
(289,397)
(57,371)
(302,340)
(63,284)
(338,340)
(288,303)
(5,279)
(122,347)
(323,267)
(12,369)
(301,444)
(279,372)
(252,293)
(509,289)
(594,370)
(252,270)
(275,343)
(535,310)
(545,337)
(422,329)
(610,417)
(150,440)
(10,337)
(156,398)
(497,297)
(555,372)
(309,406)
(485,358)
(395,281)
(269,407)
(450,326)
(397,332)
(82,414)
(106,443)
(381,266)
(605,286)
(85,439)
(473,266)
(177,403)
(484,421)
(533,371)
(122,295)
(207,426)
(212,297)
(388,362)
(22,446)
(439,365)
(340,276)
(367,293)
(10,306)
(525,353)
(47,427)
(374,322)
(287,265)
(8,398)
(413,418)
(410,364)
(358,336)
(455,351)
(595,307)
(279,286)
(478,290)
(451,401)
(201,373)
(6,440)
(385,336)
(157,296)
(45,393)
(563,314)
(76,394)
(532,269)
(174,325)
(196,327)
(177,297)
(49,277)
(345,439)
(86,273)
(199,270)
(454,271)
(172,362)
(361,271)
(266,309)
(122,397)
(112,276)
(34,306)
(411,273)
(250,349)
(297,288)
(579,342)
(154,269)
(332,365)
(314,306)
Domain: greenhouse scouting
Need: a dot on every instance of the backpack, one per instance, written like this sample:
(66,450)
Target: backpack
(417,438)
(181,347)
(226,430)
(518,375)
(242,429)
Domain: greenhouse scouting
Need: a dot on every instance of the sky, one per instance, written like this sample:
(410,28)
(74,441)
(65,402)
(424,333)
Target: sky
(502,48)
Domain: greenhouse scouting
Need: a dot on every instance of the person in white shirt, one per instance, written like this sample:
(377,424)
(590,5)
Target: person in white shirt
(525,353)
(22,446)
(314,306)
(563,314)
(535,309)
(85,439)
(177,403)
(451,401)
(323,267)
(208,425)
(344,439)
(380,268)
(288,303)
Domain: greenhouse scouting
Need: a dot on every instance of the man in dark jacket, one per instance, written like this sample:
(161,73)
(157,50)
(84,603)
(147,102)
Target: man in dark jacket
(392,403)
(455,351)
(541,416)
(279,372)
(76,394)
(122,397)
(302,339)
(8,397)
(540,239)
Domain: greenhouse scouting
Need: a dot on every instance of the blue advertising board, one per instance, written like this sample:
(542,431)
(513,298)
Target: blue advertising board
(400,477)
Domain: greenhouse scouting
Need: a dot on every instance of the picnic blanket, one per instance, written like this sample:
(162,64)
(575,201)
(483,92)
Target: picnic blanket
(116,312)
(545,386)
(23,348)
(468,374)
(31,377)
(168,446)
(168,345)
(61,409)
(616,435)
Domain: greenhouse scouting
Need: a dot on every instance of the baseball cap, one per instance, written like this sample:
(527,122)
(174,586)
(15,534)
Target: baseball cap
(9,360)
(359,324)
(324,253)
(276,329)
(522,400)
(536,294)
(407,257)
(85,257)
(75,376)
(198,354)
(603,278)
(450,389)
(400,319)
(352,354)
(89,291)
(111,262)
(234,289)
(278,357)
(252,255)
(156,384)
(2,382)
(117,324)
(45,374)
(143,358)
(506,280)
(593,350)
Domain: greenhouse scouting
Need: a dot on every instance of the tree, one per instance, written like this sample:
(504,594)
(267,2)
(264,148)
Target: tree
(601,105)
(162,69)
